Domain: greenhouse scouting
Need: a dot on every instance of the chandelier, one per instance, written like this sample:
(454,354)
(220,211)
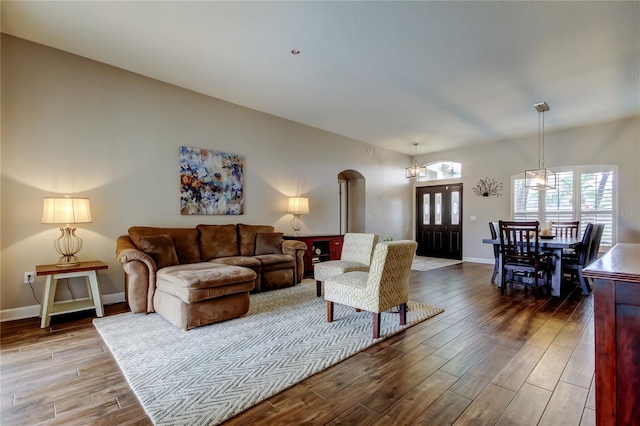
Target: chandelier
(414,171)
(540,178)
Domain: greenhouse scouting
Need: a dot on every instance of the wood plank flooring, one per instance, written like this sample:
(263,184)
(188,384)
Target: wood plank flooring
(488,359)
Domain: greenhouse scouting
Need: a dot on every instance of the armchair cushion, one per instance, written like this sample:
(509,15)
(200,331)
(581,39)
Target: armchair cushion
(324,270)
(161,250)
(357,250)
(268,243)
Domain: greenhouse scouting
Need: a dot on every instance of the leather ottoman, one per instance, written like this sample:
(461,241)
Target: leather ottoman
(202,293)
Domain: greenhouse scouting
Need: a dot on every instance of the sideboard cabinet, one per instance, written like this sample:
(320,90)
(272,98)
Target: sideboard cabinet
(616,311)
(320,248)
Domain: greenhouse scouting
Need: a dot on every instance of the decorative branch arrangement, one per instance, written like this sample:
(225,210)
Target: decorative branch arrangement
(488,186)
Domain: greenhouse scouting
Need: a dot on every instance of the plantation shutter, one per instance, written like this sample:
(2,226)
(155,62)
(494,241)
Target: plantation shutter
(559,201)
(525,202)
(596,204)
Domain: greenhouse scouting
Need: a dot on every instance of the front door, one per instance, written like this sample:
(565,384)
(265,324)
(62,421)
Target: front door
(439,221)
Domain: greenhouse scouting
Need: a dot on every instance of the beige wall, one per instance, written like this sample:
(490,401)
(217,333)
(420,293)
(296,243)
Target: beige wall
(614,143)
(74,126)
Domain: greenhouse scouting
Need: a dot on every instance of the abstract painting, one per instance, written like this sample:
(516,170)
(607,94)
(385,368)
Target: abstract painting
(210,182)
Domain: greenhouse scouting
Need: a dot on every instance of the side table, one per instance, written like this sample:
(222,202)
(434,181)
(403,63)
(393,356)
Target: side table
(320,248)
(55,273)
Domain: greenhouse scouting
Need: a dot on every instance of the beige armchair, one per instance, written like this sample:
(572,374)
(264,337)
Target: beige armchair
(383,287)
(357,249)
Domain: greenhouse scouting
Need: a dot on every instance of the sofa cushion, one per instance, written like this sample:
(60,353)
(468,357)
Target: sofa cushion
(218,241)
(247,237)
(161,250)
(268,243)
(273,262)
(185,240)
(244,261)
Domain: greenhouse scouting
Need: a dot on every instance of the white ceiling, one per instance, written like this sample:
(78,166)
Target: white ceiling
(443,74)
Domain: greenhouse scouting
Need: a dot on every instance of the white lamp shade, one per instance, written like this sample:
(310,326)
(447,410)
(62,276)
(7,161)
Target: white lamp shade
(299,205)
(66,210)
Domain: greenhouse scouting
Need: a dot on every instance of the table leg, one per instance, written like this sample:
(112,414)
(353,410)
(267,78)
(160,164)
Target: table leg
(47,301)
(95,293)
(556,277)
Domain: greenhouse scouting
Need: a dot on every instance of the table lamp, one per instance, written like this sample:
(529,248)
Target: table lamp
(69,211)
(297,206)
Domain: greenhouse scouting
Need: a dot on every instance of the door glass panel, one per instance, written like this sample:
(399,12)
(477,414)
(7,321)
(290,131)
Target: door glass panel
(426,209)
(438,205)
(455,202)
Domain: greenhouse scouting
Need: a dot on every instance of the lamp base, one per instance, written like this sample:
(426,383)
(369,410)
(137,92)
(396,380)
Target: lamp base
(65,265)
(296,224)
(68,260)
(68,244)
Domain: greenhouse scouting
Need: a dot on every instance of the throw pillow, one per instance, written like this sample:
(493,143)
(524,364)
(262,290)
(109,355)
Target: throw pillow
(268,243)
(161,250)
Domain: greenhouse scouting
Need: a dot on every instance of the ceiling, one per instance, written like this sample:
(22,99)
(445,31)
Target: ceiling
(442,74)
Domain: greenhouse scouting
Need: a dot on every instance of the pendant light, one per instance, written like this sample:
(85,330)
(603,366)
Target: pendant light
(540,178)
(414,171)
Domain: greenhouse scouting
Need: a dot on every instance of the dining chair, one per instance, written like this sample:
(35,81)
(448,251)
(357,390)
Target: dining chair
(357,249)
(572,265)
(494,229)
(598,230)
(385,285)
(522,261)
(565,229)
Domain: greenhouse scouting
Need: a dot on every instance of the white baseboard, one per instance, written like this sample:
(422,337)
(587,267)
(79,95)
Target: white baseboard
(34,310)
(478,260)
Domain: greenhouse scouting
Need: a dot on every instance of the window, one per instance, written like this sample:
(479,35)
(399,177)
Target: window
(584,193)
(442,170)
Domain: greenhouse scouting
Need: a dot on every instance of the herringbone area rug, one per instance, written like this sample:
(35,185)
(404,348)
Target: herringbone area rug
(209,374)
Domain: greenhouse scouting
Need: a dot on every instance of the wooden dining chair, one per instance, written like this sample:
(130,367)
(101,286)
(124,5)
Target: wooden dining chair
(522,261)
(494,229)
(565,229)
(598,230)
(572,265)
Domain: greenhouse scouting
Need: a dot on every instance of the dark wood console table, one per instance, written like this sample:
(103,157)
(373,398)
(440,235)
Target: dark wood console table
(616,292)
(320,248)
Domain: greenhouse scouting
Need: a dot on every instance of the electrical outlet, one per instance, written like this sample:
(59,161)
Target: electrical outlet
(29,277)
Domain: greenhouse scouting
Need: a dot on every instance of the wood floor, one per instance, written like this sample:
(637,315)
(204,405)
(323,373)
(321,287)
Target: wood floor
(488,359)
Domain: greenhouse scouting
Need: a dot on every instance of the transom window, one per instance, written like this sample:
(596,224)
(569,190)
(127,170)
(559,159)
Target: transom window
(442,170)
(584,193)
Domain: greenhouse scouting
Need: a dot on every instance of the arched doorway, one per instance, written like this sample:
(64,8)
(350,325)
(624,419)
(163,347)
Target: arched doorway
(352,190)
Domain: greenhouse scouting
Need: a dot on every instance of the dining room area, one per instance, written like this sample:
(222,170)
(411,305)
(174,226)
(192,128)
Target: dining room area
(549,257)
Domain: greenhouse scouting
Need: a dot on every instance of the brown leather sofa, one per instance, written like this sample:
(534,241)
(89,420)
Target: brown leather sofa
(195,276)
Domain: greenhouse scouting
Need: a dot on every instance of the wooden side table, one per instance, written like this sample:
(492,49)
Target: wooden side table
(55,273)
(320,248)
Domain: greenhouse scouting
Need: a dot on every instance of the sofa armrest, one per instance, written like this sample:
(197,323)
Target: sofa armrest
(140,275)
(296,249)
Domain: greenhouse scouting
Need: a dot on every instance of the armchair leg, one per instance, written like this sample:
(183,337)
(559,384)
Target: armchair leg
(318,288)
(329,311)
(376,324)
(403,313)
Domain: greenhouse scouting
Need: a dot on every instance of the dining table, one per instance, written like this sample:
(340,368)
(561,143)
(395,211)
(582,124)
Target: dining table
(553,246)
